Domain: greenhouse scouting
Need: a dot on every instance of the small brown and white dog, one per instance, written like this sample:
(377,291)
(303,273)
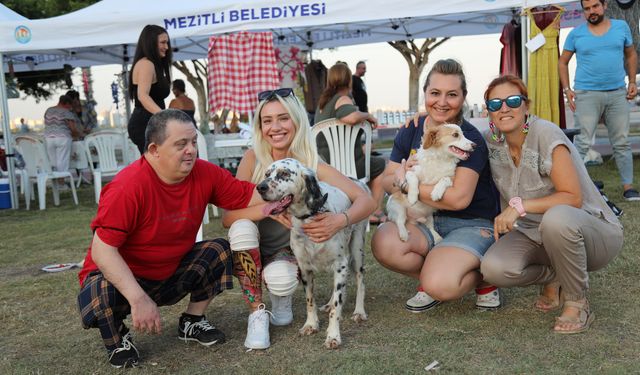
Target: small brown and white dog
(443,147)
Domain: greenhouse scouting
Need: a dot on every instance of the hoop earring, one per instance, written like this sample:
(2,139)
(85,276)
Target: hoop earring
(525,127)
(496,135)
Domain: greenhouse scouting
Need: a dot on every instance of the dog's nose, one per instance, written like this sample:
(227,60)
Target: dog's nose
(262,187)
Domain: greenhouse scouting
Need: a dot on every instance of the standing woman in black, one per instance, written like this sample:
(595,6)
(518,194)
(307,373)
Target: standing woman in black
(150,79)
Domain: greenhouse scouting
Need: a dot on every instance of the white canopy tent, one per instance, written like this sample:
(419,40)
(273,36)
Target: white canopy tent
(106,32)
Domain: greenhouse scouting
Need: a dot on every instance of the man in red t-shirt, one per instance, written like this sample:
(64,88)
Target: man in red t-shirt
(143,253)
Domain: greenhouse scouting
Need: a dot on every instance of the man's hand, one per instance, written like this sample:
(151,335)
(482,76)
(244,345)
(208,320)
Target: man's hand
(571,97)
(145,315)
(632,91)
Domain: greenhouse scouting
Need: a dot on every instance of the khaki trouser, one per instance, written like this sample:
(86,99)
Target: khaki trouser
(573,243)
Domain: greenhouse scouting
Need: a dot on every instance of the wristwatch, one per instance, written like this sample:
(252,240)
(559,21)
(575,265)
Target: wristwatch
(516,203)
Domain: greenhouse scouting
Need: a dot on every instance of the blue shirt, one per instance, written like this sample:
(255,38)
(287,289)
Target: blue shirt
(485,202)
(600,59)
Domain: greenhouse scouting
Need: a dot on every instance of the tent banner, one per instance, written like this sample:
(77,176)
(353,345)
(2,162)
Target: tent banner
(113,22)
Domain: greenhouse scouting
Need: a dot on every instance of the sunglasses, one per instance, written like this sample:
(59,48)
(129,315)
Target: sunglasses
(513,101)
(269,94)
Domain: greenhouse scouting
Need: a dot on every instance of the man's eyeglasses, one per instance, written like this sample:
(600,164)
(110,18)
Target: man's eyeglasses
(513,101)
(283,93)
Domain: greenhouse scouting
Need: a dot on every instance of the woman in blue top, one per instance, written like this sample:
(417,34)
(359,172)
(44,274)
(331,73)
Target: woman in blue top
(465,214)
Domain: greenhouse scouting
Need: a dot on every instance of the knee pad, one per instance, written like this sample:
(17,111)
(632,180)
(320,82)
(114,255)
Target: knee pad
(281,277)
(243,235)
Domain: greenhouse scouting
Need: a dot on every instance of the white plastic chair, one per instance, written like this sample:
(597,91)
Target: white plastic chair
(342,139)
(105,144)
(203,154)
(38,170)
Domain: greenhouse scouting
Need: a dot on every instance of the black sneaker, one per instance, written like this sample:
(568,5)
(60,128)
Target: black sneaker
(631,195)
(126,354)
(198,329)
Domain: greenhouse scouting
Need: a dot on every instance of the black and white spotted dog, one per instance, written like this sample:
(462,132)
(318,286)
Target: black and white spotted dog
(297,190)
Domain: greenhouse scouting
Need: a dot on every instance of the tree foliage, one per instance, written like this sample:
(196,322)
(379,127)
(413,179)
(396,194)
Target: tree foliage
(42,83)
(416,58)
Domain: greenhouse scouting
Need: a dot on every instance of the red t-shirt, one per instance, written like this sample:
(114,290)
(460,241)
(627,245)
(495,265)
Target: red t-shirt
(154,224)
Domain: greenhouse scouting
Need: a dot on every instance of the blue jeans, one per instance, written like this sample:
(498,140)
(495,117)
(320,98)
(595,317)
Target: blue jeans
(590,107)
(472,235)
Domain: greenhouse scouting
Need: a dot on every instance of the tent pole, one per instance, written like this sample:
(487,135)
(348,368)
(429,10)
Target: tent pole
(524,37)
(125,79)
(6,129)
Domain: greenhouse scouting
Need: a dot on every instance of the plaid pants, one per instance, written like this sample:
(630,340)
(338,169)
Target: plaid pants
(204,272)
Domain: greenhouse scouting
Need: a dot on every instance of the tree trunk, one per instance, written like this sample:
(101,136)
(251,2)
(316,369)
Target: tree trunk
(414,88)
(416,58)
(631,16)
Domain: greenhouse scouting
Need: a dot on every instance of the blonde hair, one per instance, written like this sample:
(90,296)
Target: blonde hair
(302,148)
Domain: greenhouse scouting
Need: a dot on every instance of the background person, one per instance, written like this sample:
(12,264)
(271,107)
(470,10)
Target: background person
(555,225)
(602,46)
(182,101)
(336,102)
(281,130)
(358,87)
(150,80)
(143,255)
(60,128)
(450,269)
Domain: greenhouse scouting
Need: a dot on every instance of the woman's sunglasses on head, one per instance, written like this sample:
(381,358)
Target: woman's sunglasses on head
(269,94)
(513,101)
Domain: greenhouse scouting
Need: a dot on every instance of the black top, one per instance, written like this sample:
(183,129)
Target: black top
(158,92)
(485,201)
(359,91)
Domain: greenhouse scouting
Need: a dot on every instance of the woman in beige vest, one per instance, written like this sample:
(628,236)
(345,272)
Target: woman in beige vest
(555,226)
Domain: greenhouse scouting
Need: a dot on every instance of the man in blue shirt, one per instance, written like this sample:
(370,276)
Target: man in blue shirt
(601,46)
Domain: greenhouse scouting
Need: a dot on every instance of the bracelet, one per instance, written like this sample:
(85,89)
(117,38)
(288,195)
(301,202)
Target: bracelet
(566,89)
(347,217)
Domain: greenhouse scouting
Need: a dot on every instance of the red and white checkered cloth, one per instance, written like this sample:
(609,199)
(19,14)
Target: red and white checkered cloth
(241,65)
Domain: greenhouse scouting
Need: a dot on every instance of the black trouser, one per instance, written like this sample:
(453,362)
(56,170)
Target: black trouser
(204,272)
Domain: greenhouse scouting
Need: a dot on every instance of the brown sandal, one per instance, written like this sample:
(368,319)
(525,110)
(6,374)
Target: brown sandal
(546,304)
(584,320)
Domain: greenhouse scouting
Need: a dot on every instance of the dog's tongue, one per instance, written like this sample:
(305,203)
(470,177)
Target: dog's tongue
(273,208)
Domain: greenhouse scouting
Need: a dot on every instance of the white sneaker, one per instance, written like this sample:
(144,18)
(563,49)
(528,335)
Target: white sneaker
(488,299)
(281,312)
(421,302)
(258,329)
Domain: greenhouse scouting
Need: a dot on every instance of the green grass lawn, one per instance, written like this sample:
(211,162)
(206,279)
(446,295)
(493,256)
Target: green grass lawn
(41,331)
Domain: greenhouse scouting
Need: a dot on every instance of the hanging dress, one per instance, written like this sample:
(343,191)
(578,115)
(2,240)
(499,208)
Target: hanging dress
(543,79)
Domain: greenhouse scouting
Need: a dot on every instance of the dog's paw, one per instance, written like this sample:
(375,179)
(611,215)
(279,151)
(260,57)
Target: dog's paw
(308,330)
(332,342)
(359,317)
(403,234)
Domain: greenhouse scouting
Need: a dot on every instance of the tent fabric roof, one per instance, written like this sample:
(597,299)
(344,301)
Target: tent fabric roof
(107,31)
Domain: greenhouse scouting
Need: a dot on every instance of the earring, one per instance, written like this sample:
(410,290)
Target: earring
(496,135)
(525,127)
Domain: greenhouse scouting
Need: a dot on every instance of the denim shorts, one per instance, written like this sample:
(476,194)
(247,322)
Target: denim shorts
(473,235)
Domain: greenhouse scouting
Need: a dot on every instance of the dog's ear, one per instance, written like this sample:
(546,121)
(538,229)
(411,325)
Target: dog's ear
(313,198)
(430,137)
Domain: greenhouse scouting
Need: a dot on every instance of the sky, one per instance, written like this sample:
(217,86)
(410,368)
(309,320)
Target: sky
(386,78)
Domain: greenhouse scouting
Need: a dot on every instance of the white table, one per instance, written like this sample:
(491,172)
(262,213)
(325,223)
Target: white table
(227,148)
